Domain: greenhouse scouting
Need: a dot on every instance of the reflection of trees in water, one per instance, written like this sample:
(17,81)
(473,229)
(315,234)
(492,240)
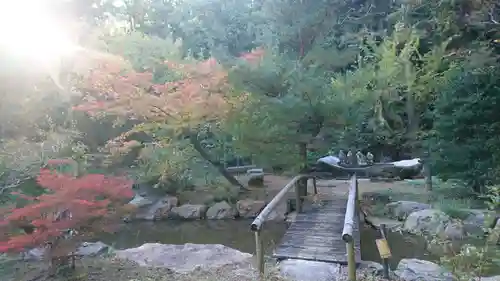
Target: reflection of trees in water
(231,233)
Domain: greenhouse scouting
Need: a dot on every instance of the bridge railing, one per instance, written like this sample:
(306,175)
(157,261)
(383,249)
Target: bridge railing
(300,184)
(351,215)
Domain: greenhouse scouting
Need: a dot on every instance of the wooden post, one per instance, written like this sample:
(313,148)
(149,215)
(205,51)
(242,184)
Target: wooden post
(259,252)
(428,175)
(298,197)
(427,171)
(351,261)
(384,250)
(315,186)
(302,183)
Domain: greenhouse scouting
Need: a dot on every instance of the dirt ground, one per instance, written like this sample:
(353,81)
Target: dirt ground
(111,269)
(274,183)
(329,188)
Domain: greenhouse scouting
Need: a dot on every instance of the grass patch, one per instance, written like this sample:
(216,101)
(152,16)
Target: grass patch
(451,197)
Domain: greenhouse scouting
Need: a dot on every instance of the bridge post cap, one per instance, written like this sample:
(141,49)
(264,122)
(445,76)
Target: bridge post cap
(254,227)
(347,238)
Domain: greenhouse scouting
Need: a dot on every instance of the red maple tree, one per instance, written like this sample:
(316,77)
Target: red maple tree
(112,86)
(200,96)
(91,203)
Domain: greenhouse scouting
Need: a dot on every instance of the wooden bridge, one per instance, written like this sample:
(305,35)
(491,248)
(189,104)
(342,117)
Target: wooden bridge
(327,233)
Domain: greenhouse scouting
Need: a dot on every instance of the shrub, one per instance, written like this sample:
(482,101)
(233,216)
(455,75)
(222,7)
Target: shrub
(85,205)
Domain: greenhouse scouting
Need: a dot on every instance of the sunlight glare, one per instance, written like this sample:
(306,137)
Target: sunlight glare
(28,30)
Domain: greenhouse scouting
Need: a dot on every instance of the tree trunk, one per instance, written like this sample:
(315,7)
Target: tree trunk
(193,139)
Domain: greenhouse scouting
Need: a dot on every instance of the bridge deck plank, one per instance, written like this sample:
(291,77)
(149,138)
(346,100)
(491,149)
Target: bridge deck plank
(316,235)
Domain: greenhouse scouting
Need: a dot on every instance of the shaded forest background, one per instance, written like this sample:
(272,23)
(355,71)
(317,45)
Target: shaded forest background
(255,79)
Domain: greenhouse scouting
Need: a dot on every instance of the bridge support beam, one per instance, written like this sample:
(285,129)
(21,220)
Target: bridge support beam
(351,261)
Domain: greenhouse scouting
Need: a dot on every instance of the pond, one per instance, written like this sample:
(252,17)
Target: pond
(236,234)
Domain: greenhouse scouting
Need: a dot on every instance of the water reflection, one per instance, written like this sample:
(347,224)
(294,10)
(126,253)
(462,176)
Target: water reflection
(401,246)
(232,233)
(236,234)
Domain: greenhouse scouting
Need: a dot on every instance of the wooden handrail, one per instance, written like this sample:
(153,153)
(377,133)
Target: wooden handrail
(258,222)
(262,217)
(350,210)
(350,216)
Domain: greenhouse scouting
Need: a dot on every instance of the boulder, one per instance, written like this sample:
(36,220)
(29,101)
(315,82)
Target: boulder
(420,270)
(400,210)
(429,221)
(407,169)
(474,223)
(188,212)
(159,210)
(186,258)
(248,208)
(303,270)
(491,278)
(404,169)
(221,210)
(376,197)
(92,249)
(140,201)
(390,224)
(454,230)
(433,222)
(374,268)
(86,249)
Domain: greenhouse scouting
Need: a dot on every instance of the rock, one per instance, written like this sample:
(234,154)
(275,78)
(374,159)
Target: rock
(221,210)
(186,258)
(87,249)
(374,268)
(402,209)
(159,210)
(494,236)
(475,223)
(92,249)
(433,222)
(139,201)
(404,169)
(303,270)
(391,225)
(255,177)
(454,231)
(491,278)
(419,270)
(35,254)
(248,208)
(376,197)
(429,221)
(188,212)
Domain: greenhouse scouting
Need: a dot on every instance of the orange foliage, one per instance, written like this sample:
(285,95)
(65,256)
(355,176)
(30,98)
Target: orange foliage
(200,96)
(95,203)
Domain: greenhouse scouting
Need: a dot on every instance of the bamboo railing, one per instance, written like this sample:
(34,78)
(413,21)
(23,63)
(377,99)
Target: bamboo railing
(347,233)
(300,184)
